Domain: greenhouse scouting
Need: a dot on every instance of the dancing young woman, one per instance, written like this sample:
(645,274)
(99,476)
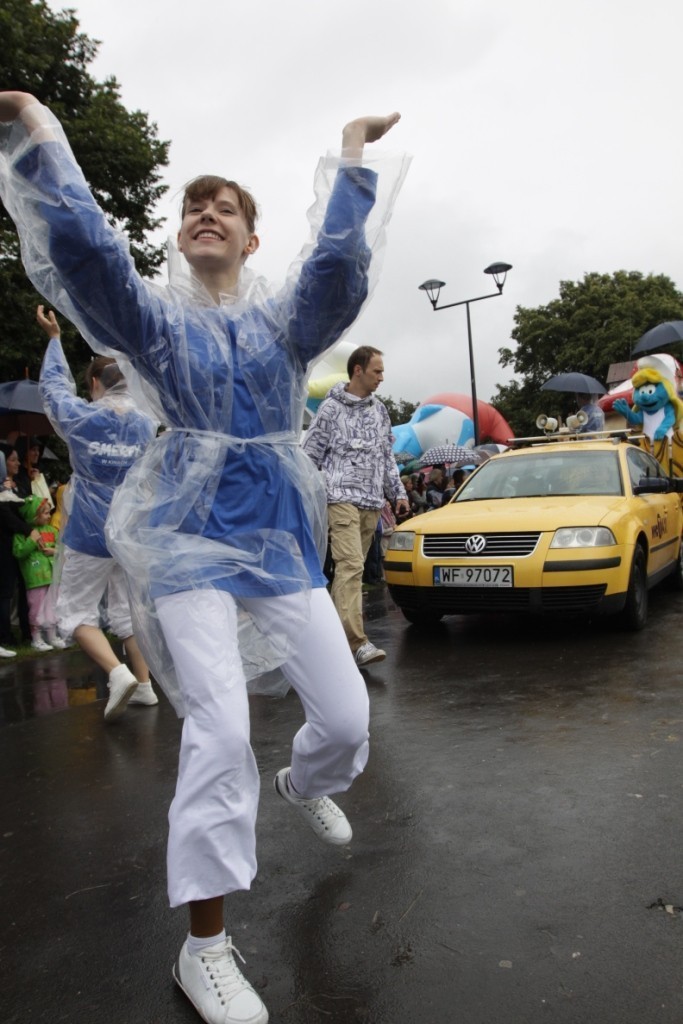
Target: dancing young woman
(228,578)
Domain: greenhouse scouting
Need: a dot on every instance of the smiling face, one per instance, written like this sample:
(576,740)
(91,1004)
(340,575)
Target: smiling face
(651,397)
(214,235)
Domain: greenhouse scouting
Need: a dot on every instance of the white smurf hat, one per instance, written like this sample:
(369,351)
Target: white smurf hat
(662,364)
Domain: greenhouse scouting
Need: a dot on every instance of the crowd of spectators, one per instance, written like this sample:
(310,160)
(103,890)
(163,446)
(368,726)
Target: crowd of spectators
(22,473)
(425,491)
(21,542)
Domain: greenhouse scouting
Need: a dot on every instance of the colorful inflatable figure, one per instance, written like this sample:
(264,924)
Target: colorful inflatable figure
(658,410)
(327,372)
(430,425)
(446,418)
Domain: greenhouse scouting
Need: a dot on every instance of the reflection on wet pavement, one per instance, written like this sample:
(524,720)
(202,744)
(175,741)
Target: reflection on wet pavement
(35,686)
(515,857)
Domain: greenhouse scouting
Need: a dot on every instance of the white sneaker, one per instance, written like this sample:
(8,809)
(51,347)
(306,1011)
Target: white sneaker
(4,653)
(326,819)
(57,642)
(122,685)
(144,695)
(368,653)
(40,645)
(216,987)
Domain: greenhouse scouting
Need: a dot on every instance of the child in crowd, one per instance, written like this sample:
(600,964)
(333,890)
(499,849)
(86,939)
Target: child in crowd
(35,559)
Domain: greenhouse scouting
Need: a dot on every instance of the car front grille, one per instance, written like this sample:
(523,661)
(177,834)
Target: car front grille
(498,545)
(469,600)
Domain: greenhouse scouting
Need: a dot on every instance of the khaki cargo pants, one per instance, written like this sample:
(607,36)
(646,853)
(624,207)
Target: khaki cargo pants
(351,533)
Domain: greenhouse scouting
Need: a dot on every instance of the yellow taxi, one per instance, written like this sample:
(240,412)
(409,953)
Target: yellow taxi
(561,526)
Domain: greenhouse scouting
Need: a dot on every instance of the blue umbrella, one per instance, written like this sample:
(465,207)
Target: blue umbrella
(21,408)
(20,396)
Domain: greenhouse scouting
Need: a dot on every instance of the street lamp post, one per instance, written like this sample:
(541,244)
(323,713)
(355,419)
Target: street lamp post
(433,287)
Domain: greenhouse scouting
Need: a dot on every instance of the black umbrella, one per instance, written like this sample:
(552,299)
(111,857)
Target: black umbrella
(451,455)
(661,336)
(579,383)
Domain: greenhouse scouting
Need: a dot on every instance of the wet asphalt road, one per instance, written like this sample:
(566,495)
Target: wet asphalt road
(517,840)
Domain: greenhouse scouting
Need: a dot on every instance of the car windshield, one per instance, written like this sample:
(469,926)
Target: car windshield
(549,473)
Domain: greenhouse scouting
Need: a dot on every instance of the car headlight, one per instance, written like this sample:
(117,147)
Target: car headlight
(583,537)
(402,540)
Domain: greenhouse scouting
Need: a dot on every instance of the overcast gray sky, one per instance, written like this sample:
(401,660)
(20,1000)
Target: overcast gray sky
(545,135)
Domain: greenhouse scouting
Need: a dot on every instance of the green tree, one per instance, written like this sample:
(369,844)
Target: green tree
(594,323)
(399,412)
(43,53)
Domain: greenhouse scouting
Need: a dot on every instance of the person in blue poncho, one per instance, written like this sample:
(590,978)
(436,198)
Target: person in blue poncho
(104,437)
(227,577)
(595,417)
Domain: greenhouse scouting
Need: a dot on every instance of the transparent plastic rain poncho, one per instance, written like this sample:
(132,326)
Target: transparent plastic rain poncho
(104,438)
(224,497)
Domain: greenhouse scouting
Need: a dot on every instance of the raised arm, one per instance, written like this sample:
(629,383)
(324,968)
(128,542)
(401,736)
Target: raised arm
(48,323)
(57,388)
(328,289)
(12,104)
(366,129)
(70,251)
(23,106)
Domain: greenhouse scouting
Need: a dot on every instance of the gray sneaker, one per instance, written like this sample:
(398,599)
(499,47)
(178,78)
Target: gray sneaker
(367,653)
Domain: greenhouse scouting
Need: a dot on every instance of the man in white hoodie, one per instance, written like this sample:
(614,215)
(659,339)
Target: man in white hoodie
(350,441)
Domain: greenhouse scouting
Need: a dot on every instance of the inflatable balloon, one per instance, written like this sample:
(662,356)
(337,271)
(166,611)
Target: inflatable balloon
(327,372)
(492,426)
(430,425)
(446,418)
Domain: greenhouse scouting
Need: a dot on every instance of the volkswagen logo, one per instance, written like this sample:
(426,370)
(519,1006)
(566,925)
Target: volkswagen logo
(475,544)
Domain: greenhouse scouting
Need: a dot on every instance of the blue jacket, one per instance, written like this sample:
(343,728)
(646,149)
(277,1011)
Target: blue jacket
(104,439)
(228,380)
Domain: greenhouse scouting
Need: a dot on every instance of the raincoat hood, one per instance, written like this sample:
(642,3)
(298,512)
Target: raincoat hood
(29,510)
(339,392)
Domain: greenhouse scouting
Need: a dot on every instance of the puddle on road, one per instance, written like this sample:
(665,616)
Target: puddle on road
(42,685)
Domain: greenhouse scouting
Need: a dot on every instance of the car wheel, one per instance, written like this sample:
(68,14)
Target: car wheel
(422,618)
(634,615)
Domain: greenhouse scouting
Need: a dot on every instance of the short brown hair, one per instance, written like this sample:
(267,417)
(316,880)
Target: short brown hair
(361,357)
(97,370)
(207,186)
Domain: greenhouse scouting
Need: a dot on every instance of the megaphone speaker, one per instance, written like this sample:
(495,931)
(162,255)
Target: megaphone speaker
(547,423)
(578,420)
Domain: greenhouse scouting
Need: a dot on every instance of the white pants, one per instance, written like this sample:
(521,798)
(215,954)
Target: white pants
(211,845)
(83,581)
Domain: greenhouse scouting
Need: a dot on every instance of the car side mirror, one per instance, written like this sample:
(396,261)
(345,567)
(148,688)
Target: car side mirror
(658,485)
